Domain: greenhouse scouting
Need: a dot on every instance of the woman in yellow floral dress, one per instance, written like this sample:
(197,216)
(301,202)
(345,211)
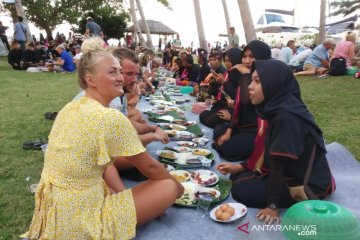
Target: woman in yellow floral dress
(80,194)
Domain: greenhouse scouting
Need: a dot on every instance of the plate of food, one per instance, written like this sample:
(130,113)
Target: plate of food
(186,144)
(195,159)
(163,125)
(213,193)
(179,121)
(204,177)
(185,135)
(192,191)
(171,133)
(228,212)
(201,140)
(177,127)
(180,175)
(168,167)
(167,154)
(181,149)
(201,152)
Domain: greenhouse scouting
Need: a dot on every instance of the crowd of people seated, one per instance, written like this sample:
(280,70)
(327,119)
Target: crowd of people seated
(261,129)
(309,59)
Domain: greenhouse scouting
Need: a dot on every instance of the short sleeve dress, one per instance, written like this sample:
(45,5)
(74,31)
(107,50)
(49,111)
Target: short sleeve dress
(72,200)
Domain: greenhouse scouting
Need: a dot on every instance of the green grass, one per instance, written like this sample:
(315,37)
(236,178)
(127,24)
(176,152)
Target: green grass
(25,97)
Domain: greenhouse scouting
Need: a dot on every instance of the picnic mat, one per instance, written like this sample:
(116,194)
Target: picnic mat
(182,223)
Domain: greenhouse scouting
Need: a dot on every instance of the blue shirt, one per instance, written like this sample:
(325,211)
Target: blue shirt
(318,54)
(68,62)
(286,54)
(20,31)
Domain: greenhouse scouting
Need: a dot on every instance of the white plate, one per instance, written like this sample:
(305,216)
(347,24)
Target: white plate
(168,167)
(201,140)
(180,175)
(181,149)
(167,151)
(177,127)
(201,152)
(186,144)
(185,135)
(199,159)
(166,118)
(240,211)
(204,177)
(213,192)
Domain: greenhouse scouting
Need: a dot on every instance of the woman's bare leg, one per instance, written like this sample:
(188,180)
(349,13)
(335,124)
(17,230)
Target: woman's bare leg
(152,198)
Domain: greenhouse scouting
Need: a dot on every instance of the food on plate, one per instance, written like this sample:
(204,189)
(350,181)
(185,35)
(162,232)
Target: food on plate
(177,127)
(186,144)
(202,152)
(224,207)
(204,177)
(181,149)
(185,135)
(224,212)
(170,133)
(193,161)
(167,154)
(180,175)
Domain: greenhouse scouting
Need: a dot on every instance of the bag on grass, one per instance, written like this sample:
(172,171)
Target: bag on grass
(338,67)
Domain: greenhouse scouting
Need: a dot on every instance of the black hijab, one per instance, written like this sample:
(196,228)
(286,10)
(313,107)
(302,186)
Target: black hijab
(259,49)
(282,94)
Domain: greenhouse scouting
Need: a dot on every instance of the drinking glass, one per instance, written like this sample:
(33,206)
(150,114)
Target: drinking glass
(203,205)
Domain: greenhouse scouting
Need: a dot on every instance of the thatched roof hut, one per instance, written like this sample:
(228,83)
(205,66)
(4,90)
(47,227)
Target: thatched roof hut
(155,27)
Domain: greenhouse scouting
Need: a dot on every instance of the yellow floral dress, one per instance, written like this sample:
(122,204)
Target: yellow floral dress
(72,200)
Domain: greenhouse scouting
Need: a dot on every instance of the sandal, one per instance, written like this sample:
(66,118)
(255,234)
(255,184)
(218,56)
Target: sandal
(51,115)
(33,145)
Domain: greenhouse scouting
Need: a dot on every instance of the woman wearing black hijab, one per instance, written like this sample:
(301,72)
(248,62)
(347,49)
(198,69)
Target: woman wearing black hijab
(220,112)
(294,147)
(235,141)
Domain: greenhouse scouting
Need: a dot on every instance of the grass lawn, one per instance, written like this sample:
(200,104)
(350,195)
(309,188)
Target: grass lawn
(25,97)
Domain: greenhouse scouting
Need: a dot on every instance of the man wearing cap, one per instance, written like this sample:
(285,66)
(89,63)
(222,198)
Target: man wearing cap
(64,63)
(297,62)
(78,55)
(92,28)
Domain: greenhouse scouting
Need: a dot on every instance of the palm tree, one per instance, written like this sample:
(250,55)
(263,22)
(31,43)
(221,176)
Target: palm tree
(199,24)
(247,20)
(136,24)
(322,21)
(146,26)
(345,7)
(227,18)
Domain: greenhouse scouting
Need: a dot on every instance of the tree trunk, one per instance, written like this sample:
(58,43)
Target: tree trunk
(322,21)
(227,18)
(136,24)
(199,24)
(20,12)
(147,30)
(247,20)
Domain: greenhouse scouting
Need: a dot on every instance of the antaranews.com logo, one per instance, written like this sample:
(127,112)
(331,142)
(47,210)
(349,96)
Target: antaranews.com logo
(301,230)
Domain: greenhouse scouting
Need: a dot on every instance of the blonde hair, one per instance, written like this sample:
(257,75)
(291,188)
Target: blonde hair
(351,36)
(93,52)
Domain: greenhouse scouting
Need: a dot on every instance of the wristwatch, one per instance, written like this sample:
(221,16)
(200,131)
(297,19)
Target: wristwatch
(272,206)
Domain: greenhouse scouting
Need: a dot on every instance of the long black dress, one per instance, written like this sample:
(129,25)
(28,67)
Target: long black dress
(291,137)
(244,119)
